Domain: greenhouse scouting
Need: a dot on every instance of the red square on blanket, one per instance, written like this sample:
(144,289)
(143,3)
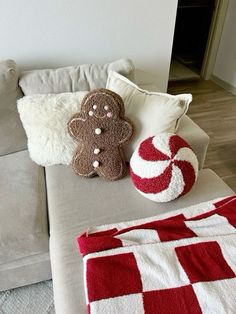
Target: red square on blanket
(180,300)
(173,229)
(204,262)
(112,276)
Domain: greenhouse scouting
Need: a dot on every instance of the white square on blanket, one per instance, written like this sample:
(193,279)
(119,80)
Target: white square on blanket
(216,297)
(210,226)
(138,236)
(132,304)
(159,268)
(227,245)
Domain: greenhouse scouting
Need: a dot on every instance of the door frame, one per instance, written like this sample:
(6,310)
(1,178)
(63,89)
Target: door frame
(214,37)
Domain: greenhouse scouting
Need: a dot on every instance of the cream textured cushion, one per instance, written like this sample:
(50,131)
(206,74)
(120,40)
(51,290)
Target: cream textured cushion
(151,112)
(45,118)
(72,79)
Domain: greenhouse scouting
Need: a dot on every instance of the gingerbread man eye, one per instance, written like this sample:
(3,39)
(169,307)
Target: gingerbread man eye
(109,114)
(90,113)
(106,107)
(94,107)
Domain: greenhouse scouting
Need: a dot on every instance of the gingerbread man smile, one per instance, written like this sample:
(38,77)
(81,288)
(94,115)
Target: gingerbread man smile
(100,111)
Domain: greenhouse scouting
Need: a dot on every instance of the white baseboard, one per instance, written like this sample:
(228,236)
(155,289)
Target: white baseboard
(230,88)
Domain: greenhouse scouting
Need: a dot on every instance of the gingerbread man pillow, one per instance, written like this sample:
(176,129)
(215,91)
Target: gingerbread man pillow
(101,129)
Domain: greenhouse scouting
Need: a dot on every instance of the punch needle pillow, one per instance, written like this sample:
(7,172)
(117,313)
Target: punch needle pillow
(163,167)
(151,112)
(44,118)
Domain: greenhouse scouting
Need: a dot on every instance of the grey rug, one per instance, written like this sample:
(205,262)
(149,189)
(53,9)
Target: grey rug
(33,299)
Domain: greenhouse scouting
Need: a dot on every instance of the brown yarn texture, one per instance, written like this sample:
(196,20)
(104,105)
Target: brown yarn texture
(101,129)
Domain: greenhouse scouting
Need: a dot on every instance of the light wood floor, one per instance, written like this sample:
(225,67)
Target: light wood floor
(214,110)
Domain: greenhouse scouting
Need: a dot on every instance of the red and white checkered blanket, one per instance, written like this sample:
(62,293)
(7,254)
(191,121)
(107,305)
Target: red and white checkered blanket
(179,262)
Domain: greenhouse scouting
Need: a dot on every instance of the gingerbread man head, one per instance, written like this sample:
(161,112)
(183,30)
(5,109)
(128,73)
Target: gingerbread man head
(102,104)
(101,129)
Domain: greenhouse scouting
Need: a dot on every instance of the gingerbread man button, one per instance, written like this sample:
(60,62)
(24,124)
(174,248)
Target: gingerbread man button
(96,151)
(100,129)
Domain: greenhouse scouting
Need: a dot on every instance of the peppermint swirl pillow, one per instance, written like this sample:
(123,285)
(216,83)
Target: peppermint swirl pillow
(163,167)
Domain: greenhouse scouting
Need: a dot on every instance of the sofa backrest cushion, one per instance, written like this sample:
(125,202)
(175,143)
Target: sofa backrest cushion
(72,79)
(12,135)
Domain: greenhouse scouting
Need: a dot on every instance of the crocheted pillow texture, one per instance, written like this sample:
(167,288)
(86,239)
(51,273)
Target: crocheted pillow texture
(163,167)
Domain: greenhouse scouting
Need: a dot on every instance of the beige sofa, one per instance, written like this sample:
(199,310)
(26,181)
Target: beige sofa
(35,200)
(24,249)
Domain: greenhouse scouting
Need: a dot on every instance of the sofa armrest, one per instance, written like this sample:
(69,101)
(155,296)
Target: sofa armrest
(196,138)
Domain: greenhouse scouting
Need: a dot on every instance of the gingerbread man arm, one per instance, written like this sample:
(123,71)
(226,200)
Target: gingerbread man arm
(76,126)
(125,128)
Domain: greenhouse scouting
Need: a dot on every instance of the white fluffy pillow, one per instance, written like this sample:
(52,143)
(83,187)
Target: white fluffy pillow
(45,118)
(151,112)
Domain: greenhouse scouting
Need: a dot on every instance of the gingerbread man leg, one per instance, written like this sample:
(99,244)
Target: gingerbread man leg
(82,165)
(112,167)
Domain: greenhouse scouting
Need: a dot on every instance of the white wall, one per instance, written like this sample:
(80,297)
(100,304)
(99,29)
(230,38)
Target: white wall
(52,33)
(225,66)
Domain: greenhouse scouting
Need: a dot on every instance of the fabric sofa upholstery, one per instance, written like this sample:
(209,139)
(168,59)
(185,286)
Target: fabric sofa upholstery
(24,247)
(23,210)
(196,137)
(76,204)
(25,271)
(72,79)
(12,134)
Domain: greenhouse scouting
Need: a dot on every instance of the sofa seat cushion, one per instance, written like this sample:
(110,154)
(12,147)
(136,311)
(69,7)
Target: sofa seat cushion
(12,138)
(23,216)
(76,203)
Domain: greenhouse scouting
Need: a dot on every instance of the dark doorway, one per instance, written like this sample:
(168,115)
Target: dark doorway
(192,27)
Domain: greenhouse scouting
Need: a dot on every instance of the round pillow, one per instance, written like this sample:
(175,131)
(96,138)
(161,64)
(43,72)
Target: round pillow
(163,167)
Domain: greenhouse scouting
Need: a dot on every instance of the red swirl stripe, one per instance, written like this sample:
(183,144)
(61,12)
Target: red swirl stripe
(152,185)
(188,174)
(148,151)
(175,143)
